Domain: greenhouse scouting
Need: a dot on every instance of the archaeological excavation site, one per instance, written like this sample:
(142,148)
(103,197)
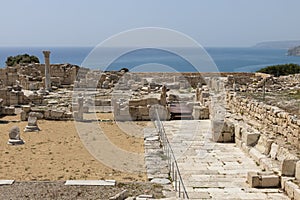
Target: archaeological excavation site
(69,132)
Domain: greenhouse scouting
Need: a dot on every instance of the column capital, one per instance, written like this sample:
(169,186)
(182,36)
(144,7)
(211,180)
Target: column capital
(46,53)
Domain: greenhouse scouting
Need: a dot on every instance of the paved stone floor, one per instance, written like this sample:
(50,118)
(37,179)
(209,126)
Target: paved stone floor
(212,170)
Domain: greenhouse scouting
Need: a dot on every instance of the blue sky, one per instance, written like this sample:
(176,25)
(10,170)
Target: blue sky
(87,23)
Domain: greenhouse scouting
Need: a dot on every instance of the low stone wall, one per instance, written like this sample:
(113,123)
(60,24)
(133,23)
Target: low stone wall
(267,118)
(291,79)
(265,133)
(47,114)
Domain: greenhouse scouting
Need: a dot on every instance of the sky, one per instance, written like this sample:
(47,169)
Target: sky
(228,23)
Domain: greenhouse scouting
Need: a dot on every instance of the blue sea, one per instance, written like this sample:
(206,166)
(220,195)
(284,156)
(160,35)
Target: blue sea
(226,59)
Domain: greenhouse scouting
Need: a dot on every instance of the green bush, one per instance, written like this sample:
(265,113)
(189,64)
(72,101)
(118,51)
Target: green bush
(281,70)
(25,58)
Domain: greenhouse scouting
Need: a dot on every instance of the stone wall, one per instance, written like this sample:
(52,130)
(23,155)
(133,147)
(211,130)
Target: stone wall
(271,119)
(290,79)
(11,97)
(8,76)
(30,76)
(66,73)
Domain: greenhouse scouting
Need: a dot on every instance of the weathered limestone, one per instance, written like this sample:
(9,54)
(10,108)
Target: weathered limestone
(223,131)
(264,144)
(200,112)
(155,159)
(163,96)
(14,136)
(11,97)
(278,122)
(78,114)
(80,107)
(297,170)
(32,124)
(263,180)
(250,138)
(291,189)
(120,196)
(274,150)
(47,70)
(288,167)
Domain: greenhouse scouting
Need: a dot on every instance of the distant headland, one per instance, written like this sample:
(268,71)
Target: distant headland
(278,44)
(295,51)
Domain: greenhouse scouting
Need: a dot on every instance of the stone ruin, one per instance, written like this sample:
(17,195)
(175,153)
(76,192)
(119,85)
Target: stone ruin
(14,136)
(32,122)
(267,133)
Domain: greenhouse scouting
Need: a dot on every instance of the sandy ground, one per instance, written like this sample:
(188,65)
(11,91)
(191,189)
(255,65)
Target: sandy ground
(56,152)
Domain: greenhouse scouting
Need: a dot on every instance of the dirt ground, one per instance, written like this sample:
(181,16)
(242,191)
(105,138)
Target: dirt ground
(57,190)
(56,152)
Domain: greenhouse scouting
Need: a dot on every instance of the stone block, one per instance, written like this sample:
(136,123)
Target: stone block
(228,137)
(285,179)
(263,180)
(26,108)
(120,196)
(47,114)
(200,112)
(238,142)
(288,167)
(290,188)
(238,130)
(8,111)
(55,114)
(284,153)
(253,179)
(297,170)
(270,164)
(23,115)
(256,155)
(223,137)
(217,126)
(152,101)
(228,126)
(270,181)
(245,148)
(297,194)
(264,144)
(124,111)
(140,102)
(250,138)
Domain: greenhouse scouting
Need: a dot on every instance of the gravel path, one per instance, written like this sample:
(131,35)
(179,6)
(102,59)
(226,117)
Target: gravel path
(57,190)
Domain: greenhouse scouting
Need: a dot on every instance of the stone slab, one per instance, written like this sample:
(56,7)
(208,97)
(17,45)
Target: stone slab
(162,181)
(6,182)
(91,182)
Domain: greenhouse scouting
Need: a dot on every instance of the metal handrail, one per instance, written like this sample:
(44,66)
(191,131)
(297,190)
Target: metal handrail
(172,163)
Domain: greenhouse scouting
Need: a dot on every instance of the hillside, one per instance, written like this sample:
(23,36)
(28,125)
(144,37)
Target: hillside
(295,51)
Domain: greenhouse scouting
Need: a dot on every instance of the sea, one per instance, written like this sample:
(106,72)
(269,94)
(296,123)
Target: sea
(226,59)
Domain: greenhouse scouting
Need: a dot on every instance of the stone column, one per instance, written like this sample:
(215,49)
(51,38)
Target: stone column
(163,96)
(197,94)
(47,70)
